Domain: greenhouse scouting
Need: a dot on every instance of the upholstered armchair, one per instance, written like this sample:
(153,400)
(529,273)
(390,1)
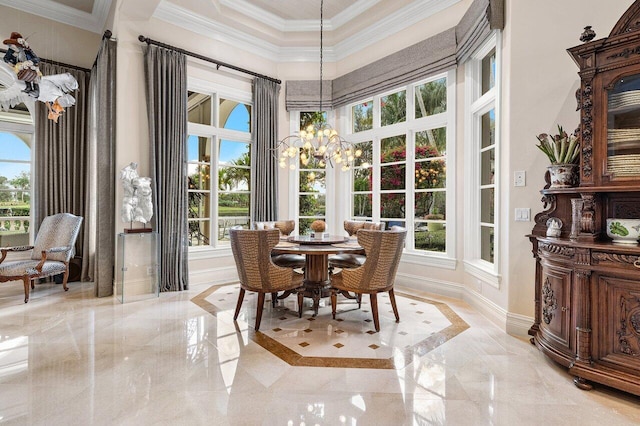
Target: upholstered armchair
(286,227)
(257,272)
(51,252)
(353,260)
(378,272)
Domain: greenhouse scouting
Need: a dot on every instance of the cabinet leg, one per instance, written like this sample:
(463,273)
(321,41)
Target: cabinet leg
(582,383)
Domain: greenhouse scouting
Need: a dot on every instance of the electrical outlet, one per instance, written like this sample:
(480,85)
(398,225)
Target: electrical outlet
(523,214)
(520,178)
(151,270)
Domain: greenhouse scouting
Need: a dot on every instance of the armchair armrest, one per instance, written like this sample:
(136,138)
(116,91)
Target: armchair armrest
(58,249)
(50,250)
(5,250)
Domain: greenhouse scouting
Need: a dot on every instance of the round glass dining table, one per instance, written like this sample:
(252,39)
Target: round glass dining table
(316,253)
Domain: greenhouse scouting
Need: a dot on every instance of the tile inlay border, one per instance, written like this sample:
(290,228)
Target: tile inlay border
(458,325)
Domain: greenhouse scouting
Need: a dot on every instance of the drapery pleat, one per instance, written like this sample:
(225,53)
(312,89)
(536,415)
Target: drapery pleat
(264,179)
(304,95)
(100,222)
(481,18)
(166,76)
(61,152)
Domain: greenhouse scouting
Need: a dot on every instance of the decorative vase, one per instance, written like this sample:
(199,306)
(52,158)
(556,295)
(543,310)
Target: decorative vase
(562,175)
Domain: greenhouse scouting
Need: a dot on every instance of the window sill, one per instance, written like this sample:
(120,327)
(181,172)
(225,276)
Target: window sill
(480,270)
(443,261)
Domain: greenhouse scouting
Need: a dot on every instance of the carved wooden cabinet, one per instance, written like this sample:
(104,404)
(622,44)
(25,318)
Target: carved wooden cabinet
(587,290)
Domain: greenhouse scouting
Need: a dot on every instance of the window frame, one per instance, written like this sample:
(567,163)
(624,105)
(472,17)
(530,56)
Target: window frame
(294,175)
(17,124)
(214,133)
(410,127)
(476,105)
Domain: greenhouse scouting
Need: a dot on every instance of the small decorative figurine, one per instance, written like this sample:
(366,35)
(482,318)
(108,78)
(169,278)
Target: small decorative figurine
(554,227)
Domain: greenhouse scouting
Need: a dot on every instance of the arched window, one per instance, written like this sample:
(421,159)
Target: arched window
(15,184)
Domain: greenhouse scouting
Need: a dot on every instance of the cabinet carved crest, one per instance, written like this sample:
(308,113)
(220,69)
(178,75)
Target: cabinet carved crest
(556,249)
(629,331)
(600,257)
(550,304)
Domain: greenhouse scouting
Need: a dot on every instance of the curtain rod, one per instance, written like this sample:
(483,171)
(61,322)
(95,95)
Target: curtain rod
(219,64)
(49,61)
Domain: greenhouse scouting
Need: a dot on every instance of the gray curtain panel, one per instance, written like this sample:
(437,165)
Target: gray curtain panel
(100,222)
(61,152)
(481,18)
(428,57)
(264,179)
(166,76)
(304,95)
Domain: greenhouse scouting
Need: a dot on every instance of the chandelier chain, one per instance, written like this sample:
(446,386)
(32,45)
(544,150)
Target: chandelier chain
(321,45)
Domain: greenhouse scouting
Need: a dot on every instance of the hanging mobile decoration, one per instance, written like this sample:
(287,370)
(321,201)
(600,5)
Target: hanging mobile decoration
(23,64)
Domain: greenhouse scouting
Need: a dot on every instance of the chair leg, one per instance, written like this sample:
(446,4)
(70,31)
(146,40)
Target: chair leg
(334,303)
(392,297)
(274,299)
(300,302)
(65,277)
(26,280)
(260,308)
(359,299)
(374,310)
(239,304)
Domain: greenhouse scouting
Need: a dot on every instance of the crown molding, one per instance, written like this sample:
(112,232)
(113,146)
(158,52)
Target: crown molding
(191,21)
(389,25)
(49,9)
(299,25)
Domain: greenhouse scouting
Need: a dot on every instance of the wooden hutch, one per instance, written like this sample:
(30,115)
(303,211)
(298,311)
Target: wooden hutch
(587,289)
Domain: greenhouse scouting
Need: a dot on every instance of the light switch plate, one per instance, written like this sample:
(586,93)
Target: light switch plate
(520,178)
(523,214)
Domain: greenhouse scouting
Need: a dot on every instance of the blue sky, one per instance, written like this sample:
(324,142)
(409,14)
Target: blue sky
(13,148)
(238,120)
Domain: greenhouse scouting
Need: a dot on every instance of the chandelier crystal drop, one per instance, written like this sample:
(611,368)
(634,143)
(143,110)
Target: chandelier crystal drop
(318,140)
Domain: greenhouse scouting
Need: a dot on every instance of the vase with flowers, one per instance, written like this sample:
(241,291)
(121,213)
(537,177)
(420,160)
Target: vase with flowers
(563,150)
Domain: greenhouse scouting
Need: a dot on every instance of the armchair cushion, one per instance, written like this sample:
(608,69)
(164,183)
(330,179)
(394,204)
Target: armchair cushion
(55,231)
(18,268)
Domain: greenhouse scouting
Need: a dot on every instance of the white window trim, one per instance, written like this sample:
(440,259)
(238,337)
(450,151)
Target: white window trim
(474,108)
(446,260)
(294,176)
(215,133)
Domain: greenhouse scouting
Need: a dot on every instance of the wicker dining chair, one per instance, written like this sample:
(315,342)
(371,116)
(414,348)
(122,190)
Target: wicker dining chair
(286,227)
(353,260)
(257,272)
(377,274)
(50,254)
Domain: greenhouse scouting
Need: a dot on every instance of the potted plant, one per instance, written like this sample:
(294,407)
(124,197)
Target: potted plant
(563,150)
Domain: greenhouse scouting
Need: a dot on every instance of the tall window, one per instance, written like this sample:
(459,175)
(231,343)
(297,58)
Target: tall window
(401,178)
(16,134)
(312,182)
(218,165)
(482,144)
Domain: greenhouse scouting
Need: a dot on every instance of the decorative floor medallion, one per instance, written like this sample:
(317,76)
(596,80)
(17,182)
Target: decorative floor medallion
(348,341)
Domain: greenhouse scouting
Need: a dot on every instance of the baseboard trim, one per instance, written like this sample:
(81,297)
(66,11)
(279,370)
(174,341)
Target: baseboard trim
(514,324)
(213,275)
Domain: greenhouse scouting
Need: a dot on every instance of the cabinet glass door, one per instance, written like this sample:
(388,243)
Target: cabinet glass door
(623,133)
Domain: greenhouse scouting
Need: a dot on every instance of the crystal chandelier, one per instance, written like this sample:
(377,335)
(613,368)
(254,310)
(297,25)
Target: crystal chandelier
(318,140)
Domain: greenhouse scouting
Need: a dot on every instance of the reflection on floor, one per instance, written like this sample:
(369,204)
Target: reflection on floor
(348,341)
(69,358)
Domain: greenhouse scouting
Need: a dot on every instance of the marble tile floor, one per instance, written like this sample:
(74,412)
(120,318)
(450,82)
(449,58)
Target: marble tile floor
(72,359)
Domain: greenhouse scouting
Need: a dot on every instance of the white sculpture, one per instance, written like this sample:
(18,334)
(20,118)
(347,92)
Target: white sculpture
(136,202)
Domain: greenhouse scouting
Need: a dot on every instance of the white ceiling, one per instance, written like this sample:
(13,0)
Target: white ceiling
(286,30)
